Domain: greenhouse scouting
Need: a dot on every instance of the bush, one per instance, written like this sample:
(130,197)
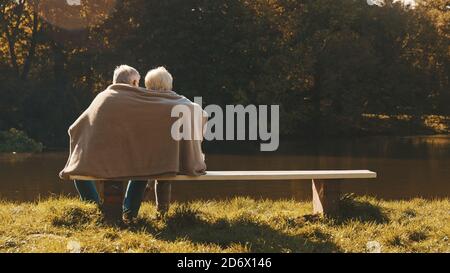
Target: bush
(18,141)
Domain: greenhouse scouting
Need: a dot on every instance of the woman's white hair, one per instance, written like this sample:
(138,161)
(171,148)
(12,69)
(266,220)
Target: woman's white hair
(127,75)
(159,79)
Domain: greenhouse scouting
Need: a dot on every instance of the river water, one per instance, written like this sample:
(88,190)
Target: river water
(407,167)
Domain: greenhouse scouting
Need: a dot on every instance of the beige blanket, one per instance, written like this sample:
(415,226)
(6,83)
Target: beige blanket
(126,134)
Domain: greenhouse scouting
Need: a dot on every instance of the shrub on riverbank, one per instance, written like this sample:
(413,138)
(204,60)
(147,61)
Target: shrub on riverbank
(17,141)
(237,225)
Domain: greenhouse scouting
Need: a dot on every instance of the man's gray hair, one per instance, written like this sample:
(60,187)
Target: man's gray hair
(126,74)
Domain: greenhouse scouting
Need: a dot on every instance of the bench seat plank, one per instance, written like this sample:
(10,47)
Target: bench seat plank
(256,175)
(273,175)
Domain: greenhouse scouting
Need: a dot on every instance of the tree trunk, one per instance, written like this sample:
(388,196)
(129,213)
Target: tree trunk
(33,43)
(12,51)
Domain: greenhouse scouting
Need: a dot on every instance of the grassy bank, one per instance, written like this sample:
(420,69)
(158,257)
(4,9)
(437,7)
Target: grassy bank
(238,225)
(378,124)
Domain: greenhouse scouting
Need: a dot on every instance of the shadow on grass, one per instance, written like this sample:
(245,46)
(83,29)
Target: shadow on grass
(76,218)
(244,231)
(352,208)
(190,224)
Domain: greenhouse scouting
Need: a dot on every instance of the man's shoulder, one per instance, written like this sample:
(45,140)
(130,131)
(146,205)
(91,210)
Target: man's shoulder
(118,90)
(104,95)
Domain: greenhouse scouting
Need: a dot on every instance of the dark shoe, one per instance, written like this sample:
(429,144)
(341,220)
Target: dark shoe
(127,219)
(161,215)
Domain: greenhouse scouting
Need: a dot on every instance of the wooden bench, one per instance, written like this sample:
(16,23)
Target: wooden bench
(325,184)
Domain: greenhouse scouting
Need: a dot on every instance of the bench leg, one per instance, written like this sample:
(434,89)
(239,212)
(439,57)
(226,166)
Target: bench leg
(112,200)
(326,195)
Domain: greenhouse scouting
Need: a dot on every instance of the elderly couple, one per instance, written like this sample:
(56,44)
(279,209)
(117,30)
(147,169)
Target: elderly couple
(125,134)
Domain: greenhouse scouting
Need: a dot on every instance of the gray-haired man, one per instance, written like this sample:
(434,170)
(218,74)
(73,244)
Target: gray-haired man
(87,190)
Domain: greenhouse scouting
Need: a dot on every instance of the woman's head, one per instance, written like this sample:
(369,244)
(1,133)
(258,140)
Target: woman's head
(159,79)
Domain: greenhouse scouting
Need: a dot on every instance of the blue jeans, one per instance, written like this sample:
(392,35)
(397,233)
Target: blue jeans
(133,196)
(131,203)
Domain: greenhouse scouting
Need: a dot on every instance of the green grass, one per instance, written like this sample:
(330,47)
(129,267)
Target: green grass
(237,225)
